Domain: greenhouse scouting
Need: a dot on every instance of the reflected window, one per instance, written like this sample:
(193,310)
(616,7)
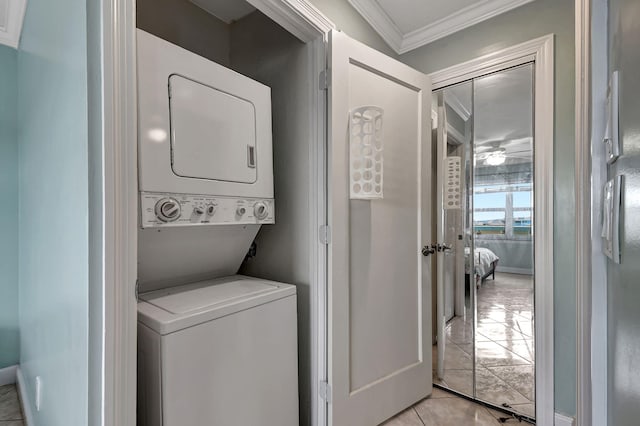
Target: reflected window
(503,211)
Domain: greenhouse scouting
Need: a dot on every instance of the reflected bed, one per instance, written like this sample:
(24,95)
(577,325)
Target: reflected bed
(485,263)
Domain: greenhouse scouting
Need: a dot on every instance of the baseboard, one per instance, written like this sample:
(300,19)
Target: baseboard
(562,420)
(8,375)
(24,398)
(509,270)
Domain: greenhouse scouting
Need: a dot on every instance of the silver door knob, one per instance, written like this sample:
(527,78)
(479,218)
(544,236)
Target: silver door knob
(427,250)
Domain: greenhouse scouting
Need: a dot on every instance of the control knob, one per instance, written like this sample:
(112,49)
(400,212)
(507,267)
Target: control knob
(168,209)
(197,212)
(260,210)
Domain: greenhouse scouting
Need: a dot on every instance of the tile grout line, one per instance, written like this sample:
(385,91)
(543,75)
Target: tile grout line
(418,414)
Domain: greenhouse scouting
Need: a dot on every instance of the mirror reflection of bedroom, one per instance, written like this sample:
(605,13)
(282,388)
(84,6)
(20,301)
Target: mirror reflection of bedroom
(485,294)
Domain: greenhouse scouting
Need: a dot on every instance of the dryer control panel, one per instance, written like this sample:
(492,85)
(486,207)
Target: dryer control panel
(169,210)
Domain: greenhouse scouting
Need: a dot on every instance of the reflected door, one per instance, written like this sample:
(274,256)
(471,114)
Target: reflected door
(455,367)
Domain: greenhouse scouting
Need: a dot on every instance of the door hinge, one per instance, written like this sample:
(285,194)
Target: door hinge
(325,391)
(137,290)
(324,80)
(325,234)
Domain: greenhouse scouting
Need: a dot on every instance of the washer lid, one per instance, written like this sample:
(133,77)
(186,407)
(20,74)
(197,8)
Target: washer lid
(176,308)
(201,295)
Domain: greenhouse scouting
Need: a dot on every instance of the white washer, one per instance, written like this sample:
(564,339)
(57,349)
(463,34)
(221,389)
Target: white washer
(218,353)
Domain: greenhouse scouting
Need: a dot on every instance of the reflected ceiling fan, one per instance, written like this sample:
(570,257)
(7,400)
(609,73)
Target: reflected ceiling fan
(495,153)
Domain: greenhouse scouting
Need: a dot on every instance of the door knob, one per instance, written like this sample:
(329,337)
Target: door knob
(427,250)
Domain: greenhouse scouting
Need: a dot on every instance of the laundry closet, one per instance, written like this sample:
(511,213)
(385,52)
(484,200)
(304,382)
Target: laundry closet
(224,236)
(297,297)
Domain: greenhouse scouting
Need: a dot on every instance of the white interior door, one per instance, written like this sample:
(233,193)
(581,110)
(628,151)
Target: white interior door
(379,282)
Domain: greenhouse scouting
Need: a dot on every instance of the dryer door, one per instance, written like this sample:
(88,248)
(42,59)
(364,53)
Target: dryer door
(213,133)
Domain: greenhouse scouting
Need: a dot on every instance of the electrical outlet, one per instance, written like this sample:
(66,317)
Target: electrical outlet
(38,393)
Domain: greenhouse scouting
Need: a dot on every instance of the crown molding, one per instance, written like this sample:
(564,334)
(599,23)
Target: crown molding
(401,42)
(454,102)
(299,17)
(380,21)
(11,28)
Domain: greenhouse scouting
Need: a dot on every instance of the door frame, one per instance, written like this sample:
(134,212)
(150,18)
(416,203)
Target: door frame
(114,389)
(540,51)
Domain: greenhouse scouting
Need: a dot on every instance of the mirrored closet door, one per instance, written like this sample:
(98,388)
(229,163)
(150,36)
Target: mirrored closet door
(485,288)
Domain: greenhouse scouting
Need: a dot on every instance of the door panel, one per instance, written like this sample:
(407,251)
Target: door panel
(379,286)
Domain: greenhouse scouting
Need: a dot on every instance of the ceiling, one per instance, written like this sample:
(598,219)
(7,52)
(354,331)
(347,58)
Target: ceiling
(502,112)
(408,24)
(225,10)
(503,106)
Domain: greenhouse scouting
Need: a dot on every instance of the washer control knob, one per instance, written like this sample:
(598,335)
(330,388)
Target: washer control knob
(211,210)
(196,214)
(168,209)
(240,211)
(260,210)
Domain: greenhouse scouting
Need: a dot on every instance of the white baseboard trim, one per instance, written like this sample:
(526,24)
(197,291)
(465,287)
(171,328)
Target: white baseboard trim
(24,398)
(8,375)
(562,420)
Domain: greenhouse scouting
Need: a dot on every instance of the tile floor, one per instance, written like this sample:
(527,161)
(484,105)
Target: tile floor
(10,412)
(504,345)
(445,409)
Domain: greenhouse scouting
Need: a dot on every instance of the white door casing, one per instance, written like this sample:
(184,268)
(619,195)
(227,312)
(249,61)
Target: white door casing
(379,299)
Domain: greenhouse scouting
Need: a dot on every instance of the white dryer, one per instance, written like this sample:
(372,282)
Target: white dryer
(205,165)
(205,149)
(218,353)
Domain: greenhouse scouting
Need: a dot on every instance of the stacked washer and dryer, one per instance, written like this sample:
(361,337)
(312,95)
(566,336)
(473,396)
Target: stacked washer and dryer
(214,348)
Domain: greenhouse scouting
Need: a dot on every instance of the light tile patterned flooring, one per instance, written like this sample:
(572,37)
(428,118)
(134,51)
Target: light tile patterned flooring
(10,412)
(504,345)
(505,361)
(445,409)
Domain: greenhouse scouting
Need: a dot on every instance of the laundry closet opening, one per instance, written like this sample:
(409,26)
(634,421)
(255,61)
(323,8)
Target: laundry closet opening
(240,38)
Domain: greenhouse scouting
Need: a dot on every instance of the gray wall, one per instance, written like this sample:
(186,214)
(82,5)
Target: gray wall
(265,52)
(9,336)
(624,279)
(185,24)
(516,256)
(527,22)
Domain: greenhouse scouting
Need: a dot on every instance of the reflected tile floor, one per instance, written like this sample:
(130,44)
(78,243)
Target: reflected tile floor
(504,345)
(445,409)
(10,412)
